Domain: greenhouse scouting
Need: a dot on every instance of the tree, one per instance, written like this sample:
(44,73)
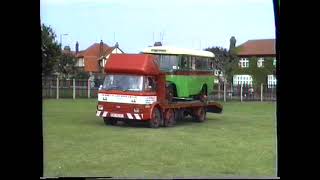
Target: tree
(50,50)
(224,61)
(66,65)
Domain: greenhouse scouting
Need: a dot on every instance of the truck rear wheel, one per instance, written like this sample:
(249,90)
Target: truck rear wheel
(169,118)
(109,121)
(199,114)
(155,120)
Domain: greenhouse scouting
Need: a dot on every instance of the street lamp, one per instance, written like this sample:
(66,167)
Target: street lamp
(61,38)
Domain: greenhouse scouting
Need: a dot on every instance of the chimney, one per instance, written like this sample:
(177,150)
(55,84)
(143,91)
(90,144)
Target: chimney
(232,44)
(67,48)
(101,48)
(116,45)
(157,44)
(77,47)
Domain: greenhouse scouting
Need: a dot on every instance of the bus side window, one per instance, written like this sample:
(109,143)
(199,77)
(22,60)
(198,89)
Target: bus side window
(185,62)
(193,60)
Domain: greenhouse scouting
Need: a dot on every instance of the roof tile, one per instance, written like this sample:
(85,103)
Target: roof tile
(259,47)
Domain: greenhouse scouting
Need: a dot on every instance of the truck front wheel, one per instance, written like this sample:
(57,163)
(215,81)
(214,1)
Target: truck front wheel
(155,120)
(109,121)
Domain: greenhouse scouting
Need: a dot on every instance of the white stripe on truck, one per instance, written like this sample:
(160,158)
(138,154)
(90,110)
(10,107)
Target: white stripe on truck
(137,116)
(129,116)
(104,114)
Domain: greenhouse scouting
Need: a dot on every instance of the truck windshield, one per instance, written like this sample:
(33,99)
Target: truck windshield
(123,83)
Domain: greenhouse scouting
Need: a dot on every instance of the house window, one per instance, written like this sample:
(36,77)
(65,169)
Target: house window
(274,61)
(216,72)
(242,79)
(80,62)
(102,62)
(244,62)
(272,81)
(260,62)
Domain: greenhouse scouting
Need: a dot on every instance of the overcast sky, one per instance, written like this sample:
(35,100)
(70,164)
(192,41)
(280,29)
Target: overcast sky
(136,24)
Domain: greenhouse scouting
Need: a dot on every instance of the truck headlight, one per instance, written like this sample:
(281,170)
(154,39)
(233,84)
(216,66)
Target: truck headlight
(100,107)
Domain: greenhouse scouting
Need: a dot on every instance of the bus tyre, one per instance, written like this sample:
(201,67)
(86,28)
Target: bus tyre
(155,120)
(170,93)
(169,118)
(109,121)
(203,94)
(199,114)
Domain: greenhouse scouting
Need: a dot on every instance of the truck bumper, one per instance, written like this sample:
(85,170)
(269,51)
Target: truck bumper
(135,116)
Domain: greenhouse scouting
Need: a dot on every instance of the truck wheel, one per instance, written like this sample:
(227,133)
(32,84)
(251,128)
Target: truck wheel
(169,118)
(109,121)
(155,120)
(199,115)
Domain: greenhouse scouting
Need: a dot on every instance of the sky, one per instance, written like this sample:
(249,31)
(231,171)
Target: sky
(137,24)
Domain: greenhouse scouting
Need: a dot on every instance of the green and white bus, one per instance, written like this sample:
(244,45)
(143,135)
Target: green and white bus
(189,73)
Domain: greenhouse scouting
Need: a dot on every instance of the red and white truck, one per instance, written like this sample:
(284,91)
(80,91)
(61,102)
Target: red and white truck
(135,89)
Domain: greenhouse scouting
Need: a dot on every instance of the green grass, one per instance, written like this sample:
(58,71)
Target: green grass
(239,142)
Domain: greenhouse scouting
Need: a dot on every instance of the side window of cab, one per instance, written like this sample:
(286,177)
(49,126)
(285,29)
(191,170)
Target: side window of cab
(149,84)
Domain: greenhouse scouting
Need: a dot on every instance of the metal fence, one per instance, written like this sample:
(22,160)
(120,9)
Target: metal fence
(69,88)
(228,92)
(84,88)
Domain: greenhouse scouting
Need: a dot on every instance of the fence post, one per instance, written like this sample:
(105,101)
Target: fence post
(74,89)
(271,93)
(219,91)
(50,90)
(88,88)
(57,85)
(261,92)
(231,90)
(224,91)
(241,92)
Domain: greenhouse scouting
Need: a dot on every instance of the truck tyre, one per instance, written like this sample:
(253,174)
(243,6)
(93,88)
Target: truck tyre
(199,114)
(169,118)
(155,120)
(109,121)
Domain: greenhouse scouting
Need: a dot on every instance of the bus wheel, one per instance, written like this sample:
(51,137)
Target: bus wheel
(170,93)
(169,118)
(109,121)
(155,120)
(199,114)
(203,94)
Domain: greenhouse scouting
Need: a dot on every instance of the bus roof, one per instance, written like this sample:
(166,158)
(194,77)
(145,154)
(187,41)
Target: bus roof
(175,50)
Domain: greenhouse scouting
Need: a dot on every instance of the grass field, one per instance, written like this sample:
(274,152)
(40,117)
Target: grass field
(239,142)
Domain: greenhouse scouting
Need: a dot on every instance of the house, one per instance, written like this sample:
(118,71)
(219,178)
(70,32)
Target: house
(93,59)
(262,49)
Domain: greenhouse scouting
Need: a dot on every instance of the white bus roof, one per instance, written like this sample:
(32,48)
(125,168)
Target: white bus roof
(174,50)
